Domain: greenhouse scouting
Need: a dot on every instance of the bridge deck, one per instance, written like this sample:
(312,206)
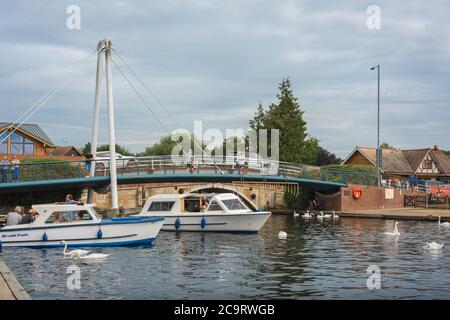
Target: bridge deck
(101,181)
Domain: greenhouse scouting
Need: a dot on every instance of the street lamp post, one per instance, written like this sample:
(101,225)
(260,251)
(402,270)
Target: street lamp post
(378,153)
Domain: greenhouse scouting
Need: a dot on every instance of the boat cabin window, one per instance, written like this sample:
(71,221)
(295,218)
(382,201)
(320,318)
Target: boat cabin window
(214,206)
(69,216)
(192,205)
(234,204)
(161,206)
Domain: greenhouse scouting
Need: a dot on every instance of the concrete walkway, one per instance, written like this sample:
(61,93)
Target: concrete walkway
(399,213)
(10,288)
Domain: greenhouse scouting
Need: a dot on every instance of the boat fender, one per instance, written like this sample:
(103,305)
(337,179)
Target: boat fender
(177,223)
(203,223)
(45,237)
(99,234)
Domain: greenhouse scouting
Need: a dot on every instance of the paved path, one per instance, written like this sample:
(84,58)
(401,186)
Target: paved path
(10,288)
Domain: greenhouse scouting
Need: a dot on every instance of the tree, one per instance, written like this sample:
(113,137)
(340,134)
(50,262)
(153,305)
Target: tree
(165,146)
(105,147)
(161,148)
(386,145)
(324,157)
(258,120)
(295,144)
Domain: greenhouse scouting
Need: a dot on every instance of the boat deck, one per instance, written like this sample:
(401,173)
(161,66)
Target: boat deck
(10,288)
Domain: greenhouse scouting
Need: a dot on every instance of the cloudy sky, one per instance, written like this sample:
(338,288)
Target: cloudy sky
(215,61)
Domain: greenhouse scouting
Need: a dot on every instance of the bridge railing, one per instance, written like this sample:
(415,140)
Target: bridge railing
(52,170)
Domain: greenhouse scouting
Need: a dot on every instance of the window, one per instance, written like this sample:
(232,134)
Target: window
(21,145)
(427,164)
(4,144)
(69,216)
(161,206)
(214,206)
(234,204)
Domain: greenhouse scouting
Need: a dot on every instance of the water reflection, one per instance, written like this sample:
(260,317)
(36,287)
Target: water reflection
(325,259)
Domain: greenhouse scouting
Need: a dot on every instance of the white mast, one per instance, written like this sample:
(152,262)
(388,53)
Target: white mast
(95,122)
(104,48)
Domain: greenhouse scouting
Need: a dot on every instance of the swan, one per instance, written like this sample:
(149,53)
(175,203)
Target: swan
(433,246)
(92,256)
(296,214)
(395,233)
(282,235)
(320,216)
(327,216)
(335,216)
(307,215)
(72,253)
(444,224)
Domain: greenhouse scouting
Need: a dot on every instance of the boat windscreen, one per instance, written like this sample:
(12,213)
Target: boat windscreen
(234,204)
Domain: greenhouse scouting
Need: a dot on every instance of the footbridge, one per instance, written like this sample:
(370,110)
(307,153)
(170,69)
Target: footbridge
(58,175)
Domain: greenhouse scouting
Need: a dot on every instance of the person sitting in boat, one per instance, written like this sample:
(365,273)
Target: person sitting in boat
(13,218)
(204,205)
(27,218)
(80,216)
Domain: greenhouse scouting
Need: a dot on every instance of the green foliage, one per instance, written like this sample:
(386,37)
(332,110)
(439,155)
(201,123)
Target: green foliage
(105,147)
(295,144)
(32,169)
(166,145)
(298,201)
(386,145)
(119,149)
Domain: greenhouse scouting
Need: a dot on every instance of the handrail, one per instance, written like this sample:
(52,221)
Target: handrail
(167,164)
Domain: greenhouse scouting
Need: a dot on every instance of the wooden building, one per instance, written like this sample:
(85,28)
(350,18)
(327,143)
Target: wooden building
(26,140)
(425,163)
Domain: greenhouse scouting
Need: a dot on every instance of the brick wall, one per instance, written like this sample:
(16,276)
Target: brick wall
(371,198)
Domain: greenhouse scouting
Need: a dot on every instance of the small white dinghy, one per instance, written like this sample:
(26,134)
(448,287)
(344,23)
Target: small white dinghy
(224,212)
(79,225)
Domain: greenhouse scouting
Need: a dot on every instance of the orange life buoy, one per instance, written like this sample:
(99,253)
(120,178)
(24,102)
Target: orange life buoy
(357,192)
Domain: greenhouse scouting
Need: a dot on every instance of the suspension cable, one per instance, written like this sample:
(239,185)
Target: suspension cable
(159,102)
(45,98)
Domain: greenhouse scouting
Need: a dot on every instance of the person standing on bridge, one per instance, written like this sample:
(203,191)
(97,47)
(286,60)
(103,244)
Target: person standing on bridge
(5,165)
(15,168)
(87,163)
(189,161)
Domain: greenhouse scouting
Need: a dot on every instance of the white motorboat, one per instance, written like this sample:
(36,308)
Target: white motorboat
(81,226)
(224,212)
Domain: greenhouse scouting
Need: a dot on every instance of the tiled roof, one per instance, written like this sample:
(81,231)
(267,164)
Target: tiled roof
(405,161)
(392,160)
(63,150)
(441,160)
(31,129)
(415,157)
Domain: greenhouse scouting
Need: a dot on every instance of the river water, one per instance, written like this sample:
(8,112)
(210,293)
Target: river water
(318,260)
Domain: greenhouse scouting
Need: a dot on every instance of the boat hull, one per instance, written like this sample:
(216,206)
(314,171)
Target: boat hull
(114,232)
(236,223)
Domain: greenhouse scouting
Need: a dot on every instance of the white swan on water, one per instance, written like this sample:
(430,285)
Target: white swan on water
(296,214)
(282,235)
(433,246)
(307,215)
(73,253)
(444,224)
(335,216)
(92,256)
(320,216)
(395,233)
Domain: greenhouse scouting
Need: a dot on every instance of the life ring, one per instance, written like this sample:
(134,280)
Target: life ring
(357,192)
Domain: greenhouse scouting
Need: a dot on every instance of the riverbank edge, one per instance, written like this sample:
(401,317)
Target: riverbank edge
(10,288)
